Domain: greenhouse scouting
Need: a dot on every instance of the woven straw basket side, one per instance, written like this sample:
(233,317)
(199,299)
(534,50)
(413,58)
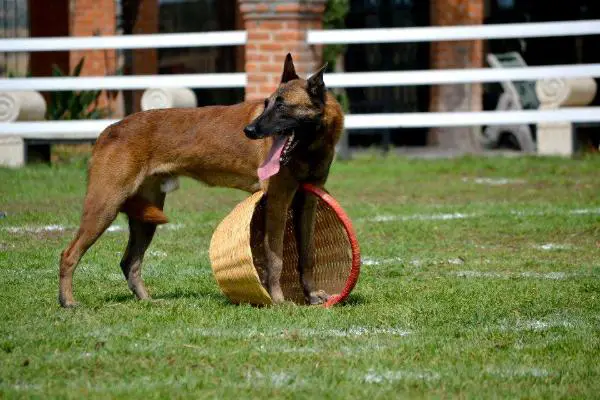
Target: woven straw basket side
(238,259)
(231,256)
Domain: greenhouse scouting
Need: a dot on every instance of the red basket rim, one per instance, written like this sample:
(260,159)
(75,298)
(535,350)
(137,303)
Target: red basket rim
(341,214)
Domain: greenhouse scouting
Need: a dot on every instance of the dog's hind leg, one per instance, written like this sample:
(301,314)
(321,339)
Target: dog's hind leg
(305,207)
(100,209)
(140,236)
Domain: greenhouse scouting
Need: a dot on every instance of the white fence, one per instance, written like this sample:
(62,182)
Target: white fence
(131,82)
(453,76)
(157,41)
(90,129)
(447,33)
(346,79)
(76,130)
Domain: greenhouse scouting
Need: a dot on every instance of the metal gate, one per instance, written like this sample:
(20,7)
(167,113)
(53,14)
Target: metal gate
(14,22)
(388,57)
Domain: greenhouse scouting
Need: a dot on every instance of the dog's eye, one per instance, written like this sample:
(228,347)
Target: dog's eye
(266,103)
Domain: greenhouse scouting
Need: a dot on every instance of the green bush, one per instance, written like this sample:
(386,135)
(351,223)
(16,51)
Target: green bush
(70,105)
(334,18)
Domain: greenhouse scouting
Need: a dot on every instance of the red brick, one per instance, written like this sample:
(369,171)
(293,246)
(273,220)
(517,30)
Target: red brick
(289,36)
(285,24)
(89,17)
(258,77)
(456,54)
(247,8)
(259,35)
(261,7)
(268,88)
(271,68)
(252,67)
(271,25)
(289,7)
(258,57)
(298,57)
(271,47)
(301,24)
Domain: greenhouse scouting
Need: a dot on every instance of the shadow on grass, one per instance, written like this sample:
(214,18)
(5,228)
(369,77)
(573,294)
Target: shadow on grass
(354,300)
(172,295)
(218,298)
(190,294)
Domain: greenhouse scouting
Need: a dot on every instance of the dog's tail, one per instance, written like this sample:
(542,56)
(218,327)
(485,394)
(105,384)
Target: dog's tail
(138,208)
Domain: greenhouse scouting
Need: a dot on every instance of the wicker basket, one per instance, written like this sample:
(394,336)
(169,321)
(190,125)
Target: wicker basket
(238,260)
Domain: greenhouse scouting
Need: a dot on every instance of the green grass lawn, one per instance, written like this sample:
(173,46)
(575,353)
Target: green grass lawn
(480,279)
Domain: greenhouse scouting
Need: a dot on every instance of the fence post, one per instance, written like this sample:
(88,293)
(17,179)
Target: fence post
(12,151)
(558,138)
(465,54)
(275,28)
(20,106)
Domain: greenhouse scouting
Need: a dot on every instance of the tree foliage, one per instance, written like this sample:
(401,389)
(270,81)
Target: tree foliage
(69,104)
(335,18)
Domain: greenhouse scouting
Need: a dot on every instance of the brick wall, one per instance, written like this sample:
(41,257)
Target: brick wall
(274,29)
(144,61)
(94,18)
(460,54)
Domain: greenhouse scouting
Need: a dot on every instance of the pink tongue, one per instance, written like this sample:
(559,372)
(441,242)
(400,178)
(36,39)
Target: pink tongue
(271,164)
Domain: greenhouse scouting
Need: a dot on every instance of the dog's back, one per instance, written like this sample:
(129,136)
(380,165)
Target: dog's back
(203,143)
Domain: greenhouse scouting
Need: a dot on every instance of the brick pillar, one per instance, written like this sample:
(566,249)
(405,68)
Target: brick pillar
(144,61)
(94,18)
(275,28)
(459,54)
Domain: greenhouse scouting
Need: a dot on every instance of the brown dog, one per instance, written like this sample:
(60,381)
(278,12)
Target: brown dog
(137,160)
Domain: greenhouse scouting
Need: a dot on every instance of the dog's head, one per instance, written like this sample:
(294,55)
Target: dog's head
(296,103)
(291,113)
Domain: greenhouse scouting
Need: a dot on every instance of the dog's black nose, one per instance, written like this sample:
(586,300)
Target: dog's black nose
(250,131)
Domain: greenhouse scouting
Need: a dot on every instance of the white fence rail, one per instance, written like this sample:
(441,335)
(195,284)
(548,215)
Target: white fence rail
(87,130)
(453,76)
(446,33)
(471,118)
(447,76)
(90,129)
(154,41)
(132,82)
(347,79)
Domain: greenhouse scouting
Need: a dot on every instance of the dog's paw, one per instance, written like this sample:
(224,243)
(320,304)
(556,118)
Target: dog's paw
(67,301)
(150,300)
(317,297)
(277,295)
(70,304)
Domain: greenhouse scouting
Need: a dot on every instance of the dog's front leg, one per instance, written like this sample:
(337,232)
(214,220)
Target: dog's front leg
(305,208)
(280,193)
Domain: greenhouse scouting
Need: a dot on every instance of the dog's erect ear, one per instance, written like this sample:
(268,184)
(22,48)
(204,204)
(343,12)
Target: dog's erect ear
(289,71)
(316,86)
